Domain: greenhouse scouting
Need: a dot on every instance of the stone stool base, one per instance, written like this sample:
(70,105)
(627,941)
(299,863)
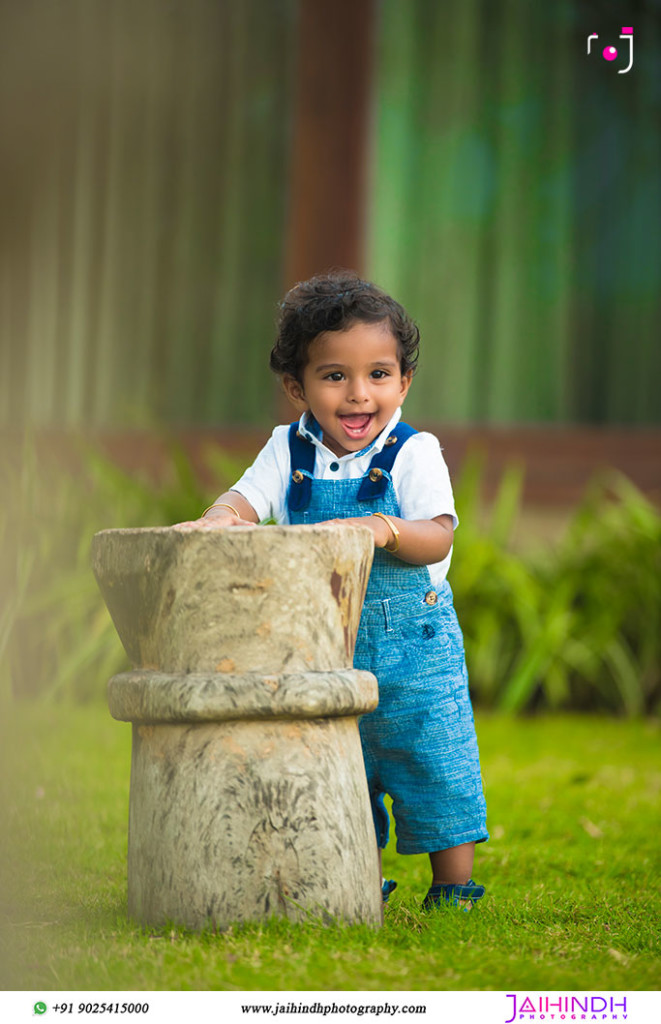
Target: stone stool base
(251,816)
(230,825)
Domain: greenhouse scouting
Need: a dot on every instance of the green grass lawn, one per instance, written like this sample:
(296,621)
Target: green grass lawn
(572,874)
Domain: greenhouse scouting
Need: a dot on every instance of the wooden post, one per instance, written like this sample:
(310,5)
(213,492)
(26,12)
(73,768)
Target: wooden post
(328,172)
(330,147)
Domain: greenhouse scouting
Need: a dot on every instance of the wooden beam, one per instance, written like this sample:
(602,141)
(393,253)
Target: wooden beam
(559,462)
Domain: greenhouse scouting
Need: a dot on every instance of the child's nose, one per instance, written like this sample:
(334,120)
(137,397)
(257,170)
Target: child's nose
(358,391)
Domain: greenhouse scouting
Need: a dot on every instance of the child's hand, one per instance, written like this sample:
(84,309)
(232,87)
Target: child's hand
(227,510)
(213,522)
(379,529)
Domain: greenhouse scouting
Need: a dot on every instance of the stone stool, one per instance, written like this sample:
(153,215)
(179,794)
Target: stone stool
(248,791)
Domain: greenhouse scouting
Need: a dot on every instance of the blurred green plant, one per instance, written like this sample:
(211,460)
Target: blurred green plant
(572,625)
(56,637)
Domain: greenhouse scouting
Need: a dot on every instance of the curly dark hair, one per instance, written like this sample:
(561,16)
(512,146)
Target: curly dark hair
(334,302)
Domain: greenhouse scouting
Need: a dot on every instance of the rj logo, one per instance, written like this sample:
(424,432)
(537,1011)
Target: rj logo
(610,53)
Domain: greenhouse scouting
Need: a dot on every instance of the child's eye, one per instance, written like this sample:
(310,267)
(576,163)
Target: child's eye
(335,375)
(379,374)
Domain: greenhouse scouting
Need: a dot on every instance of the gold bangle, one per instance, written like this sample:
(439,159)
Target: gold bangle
(221,504)
(394,544)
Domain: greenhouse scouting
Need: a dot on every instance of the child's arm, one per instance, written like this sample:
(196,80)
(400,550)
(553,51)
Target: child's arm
(421,541)
(220,514)
(260,493)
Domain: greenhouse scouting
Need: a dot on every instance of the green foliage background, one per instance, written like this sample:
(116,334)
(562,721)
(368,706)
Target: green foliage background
(573,625)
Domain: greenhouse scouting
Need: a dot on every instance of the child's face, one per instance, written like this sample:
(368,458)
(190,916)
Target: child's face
(352,384)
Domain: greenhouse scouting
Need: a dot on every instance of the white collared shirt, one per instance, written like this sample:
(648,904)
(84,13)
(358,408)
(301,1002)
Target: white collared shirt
(419,475)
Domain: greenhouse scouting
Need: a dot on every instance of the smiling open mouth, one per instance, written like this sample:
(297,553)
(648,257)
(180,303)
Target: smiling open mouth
(357,425)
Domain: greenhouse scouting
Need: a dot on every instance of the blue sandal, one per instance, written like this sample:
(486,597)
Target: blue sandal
(453,895)
(387,887)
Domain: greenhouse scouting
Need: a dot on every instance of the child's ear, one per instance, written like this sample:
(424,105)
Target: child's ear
(295,393)
(406,384)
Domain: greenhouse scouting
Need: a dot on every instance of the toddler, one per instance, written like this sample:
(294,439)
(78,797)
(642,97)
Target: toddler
(346,353)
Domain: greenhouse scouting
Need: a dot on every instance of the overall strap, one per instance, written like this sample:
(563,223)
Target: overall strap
(301,456)
(375,482)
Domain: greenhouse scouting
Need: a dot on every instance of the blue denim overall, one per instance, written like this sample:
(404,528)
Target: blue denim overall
(419,745)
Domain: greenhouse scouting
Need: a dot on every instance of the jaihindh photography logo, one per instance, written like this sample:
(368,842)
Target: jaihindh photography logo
(555,1007)
(610,52)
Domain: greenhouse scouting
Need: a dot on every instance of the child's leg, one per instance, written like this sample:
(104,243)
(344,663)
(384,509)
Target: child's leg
(453,866)
(452,883)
